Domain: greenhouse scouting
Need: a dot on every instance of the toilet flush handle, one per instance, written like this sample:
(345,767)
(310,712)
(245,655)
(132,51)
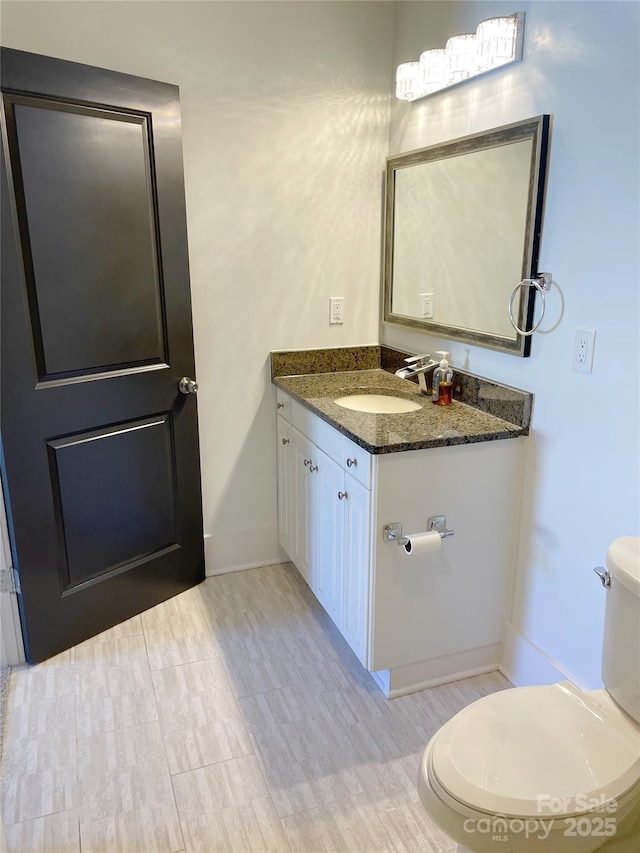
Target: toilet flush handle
(604,576)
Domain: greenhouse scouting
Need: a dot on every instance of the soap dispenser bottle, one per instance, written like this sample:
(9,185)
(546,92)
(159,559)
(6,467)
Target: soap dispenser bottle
(441,389)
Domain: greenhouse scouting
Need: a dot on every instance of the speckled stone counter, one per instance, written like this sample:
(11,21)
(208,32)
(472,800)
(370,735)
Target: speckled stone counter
(431,426)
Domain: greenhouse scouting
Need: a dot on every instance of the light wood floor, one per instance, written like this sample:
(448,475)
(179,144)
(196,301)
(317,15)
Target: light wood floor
(233,717)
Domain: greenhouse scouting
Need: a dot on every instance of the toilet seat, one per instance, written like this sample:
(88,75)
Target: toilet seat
(536,752)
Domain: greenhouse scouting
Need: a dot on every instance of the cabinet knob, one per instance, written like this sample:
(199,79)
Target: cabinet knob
(342,495)
(307,462)
(351,462)
(285,440)
(280,405)
(313,468)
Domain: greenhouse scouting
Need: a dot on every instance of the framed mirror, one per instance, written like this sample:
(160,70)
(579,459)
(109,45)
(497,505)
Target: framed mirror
(462,229)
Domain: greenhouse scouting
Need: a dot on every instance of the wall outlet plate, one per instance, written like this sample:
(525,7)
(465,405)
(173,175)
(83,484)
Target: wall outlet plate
(427,305)
(336,310)
(583,347)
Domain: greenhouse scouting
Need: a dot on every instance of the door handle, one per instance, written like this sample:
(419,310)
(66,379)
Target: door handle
(188,386)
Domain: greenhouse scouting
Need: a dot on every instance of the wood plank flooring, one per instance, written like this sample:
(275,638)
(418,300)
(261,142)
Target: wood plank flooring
(231,718)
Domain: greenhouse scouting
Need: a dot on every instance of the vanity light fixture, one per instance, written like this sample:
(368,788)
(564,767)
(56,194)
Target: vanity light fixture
(495,43)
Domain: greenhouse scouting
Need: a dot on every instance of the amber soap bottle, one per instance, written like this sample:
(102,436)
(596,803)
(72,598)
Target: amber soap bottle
(442,387)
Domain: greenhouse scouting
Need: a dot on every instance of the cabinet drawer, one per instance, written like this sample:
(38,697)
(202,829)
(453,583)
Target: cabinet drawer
(318,431)
(283,404)
(357,461)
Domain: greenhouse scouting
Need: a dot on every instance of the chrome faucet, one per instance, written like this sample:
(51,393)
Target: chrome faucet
(418,365)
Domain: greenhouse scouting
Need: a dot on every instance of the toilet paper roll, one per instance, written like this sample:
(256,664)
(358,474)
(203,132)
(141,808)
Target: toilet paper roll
(422,543)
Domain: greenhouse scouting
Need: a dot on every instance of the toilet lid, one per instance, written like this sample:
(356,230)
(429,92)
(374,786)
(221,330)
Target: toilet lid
(536,751)
(623,560)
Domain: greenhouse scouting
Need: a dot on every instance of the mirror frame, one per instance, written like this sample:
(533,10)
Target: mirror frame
(536,129)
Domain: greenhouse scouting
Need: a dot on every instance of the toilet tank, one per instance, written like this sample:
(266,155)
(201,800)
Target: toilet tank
(621,646)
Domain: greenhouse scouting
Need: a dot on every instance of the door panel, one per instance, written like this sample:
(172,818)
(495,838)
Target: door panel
(328,570)
(357,581)
(328,526)
(84,197)
(304,499)
(100,458)
(285,485)
(97,489)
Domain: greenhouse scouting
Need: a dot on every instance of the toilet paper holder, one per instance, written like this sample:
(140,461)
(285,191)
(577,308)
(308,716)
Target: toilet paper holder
(393,532)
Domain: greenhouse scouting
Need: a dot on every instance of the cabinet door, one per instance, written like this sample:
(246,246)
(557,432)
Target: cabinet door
(303,487)
(356,571)
(328,525)
(285,487)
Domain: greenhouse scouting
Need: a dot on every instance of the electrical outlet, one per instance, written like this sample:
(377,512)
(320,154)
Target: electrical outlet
(583,346)
(427,305)
(336,309)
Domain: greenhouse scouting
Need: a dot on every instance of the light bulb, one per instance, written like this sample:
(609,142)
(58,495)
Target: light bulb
(461,57)
(408,81)
(433,70)
(496,42)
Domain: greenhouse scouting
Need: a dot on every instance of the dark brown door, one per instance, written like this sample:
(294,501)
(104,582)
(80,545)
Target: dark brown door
(99,446)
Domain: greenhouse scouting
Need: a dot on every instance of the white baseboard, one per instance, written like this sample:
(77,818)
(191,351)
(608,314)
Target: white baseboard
(523,663)
(430,673)
(11,645)
(247,549)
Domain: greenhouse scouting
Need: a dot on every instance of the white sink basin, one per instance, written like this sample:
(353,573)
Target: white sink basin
(380,404)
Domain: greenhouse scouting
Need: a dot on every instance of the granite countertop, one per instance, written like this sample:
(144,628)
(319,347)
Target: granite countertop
(432,426)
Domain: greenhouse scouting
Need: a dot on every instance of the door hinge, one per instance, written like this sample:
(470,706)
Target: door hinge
(9,581)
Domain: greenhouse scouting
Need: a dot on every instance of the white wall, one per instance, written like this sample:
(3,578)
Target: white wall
(581,66)
(285,110)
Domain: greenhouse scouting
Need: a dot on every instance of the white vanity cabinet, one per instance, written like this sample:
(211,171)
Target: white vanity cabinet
(412,621)
(324,519)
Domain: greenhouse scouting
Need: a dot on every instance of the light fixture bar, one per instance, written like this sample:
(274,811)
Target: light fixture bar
(496,42)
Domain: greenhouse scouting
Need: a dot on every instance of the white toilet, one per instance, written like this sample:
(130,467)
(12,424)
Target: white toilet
(549,769)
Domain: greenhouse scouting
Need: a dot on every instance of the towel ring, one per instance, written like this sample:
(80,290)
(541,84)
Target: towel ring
(542,284)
